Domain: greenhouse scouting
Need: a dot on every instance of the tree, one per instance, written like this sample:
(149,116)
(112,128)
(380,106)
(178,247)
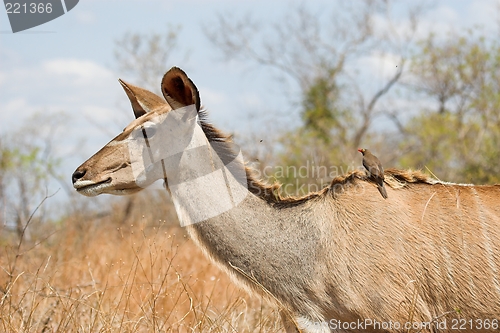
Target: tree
(146,56)
(27,164)
(321,58)
(320,114)
(457,136)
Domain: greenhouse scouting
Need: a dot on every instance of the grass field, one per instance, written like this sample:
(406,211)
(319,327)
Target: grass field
(135,273)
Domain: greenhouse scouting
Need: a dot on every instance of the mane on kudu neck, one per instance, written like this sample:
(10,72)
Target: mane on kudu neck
(344,254)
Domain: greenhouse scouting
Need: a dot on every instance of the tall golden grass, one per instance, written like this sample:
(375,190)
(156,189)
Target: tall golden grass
(122,272)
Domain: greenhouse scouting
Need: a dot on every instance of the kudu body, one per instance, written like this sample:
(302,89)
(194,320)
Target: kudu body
(341,259)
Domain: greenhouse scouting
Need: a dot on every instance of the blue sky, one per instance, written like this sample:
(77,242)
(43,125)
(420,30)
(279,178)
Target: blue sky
(67,65)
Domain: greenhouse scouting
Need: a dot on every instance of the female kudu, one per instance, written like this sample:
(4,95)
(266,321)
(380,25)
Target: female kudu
(341,259)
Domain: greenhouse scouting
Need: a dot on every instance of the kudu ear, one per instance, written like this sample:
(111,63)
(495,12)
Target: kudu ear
(142,101)
(179,90)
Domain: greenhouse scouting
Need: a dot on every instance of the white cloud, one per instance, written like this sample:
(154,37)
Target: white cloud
(211,97)
(15,104)
(476,13)
(444,14)
(378,66)
(16,109)
(439,20)
(83,89)
(251,100)
(81,70)
(105,118)
(85,16)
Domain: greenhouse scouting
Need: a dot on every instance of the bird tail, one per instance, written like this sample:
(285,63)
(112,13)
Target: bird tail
(381,189)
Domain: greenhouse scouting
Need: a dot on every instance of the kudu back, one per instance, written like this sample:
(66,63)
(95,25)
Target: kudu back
(342,259)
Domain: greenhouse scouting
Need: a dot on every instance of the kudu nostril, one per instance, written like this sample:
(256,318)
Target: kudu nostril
(77,175)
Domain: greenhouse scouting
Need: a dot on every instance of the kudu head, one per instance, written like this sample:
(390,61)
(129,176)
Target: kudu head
(133,159)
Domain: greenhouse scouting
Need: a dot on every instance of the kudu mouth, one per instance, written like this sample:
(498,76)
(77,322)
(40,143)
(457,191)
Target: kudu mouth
(90,188)
(89,182)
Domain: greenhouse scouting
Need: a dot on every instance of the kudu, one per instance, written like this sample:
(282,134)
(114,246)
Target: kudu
(342,259)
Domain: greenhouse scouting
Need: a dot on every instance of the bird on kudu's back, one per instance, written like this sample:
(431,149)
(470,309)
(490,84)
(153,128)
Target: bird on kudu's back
(375,170)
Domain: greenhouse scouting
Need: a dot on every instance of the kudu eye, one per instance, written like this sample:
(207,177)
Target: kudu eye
(146,131)
(150,131)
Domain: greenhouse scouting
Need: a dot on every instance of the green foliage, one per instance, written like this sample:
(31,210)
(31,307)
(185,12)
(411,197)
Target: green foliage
(305,163)
(321,114)
(429,142)
(458,139)
(454,132)
(309,155)
(452,72)
(26,166)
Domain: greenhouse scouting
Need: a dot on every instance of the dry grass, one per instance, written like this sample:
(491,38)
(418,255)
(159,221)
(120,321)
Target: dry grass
(101,275)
